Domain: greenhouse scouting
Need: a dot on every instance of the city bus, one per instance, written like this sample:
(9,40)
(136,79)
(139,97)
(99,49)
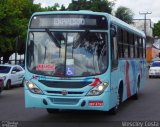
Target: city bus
(82,60)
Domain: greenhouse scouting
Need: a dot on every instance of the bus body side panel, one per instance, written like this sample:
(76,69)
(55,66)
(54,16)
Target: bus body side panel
(128,72)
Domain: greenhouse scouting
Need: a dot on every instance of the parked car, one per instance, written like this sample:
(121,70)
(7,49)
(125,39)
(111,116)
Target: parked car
(1,85)
(12,75)
(154,70)
(153,60)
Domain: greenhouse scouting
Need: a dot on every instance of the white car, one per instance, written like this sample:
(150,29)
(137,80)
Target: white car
(154,70)
(12,75)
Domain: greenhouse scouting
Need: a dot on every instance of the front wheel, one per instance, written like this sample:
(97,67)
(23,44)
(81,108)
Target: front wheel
(51,111)
(22,84)
(8,85)
(0,90)
(115,109)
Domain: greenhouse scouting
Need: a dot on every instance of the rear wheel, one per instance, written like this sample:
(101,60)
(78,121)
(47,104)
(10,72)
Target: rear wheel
(115,109)
(8,85)
(51,111)
(135,96)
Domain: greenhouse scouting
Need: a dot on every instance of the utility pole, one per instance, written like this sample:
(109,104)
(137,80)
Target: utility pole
(145,14)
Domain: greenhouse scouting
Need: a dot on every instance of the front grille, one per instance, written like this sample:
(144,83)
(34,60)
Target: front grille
(58,84)
(60,92)
(65,101)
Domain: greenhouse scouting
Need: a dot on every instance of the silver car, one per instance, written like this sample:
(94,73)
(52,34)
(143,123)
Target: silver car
(154,70)
(12,75)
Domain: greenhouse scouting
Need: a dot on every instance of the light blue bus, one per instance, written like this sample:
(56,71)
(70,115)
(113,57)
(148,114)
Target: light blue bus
(82,60)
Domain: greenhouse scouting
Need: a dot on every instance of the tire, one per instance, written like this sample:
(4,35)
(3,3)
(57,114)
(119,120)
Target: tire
(135,96)
(0,90)
(51,111)
(150,76)
(8,84)
(115,109)
(22,85)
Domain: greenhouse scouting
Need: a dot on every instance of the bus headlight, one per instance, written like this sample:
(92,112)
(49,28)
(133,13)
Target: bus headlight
(33,88)
(97,90)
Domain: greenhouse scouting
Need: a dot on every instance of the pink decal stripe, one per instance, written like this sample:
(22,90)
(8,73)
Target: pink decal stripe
(97,80)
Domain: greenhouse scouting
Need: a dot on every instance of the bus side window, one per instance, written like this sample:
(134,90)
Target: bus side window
(114,48)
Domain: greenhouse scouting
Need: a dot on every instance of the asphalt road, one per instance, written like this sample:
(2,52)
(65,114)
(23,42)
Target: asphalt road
(146,108)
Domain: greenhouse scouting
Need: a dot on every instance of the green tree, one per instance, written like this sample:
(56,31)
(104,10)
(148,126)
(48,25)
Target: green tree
(156,29)
(94,5)
(125,14)
(51,8)
(14,18)
(62,8)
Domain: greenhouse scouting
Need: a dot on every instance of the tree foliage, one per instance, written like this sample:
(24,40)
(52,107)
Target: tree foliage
(94,5)
(51,8)
(156,29)
(14,17)
(125,14)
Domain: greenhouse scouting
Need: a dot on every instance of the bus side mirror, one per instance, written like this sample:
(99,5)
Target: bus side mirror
(31,46)
(113,31)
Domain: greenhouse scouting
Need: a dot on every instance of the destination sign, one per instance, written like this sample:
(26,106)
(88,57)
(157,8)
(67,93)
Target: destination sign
(69,21)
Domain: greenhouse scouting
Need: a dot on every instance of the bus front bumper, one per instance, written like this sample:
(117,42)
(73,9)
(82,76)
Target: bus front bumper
(63,102)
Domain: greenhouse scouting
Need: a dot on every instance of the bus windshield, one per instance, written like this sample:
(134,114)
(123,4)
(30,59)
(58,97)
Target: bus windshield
(66,54)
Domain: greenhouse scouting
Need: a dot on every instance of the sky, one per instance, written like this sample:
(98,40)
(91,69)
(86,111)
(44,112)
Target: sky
(137,6)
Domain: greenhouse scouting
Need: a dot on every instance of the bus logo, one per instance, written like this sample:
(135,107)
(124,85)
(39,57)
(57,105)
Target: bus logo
(64,92)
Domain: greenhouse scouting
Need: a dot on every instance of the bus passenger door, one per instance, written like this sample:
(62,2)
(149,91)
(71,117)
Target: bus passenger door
(114,63)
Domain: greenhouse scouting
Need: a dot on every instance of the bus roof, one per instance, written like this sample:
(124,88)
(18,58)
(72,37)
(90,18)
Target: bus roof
(126,26)
(110,18)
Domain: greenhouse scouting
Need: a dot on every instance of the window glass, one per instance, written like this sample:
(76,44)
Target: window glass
(14,69)
(136,45)
(114,55)
(4,69)
(19,69)
(144,48)
(125,47)
(59,53)
(120,43)
(132,49)
(128,43)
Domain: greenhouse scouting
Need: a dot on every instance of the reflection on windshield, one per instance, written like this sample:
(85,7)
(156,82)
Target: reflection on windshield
(79,53)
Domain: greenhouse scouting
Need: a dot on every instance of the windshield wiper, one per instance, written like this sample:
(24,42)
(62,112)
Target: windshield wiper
(80,39)
(53,38)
